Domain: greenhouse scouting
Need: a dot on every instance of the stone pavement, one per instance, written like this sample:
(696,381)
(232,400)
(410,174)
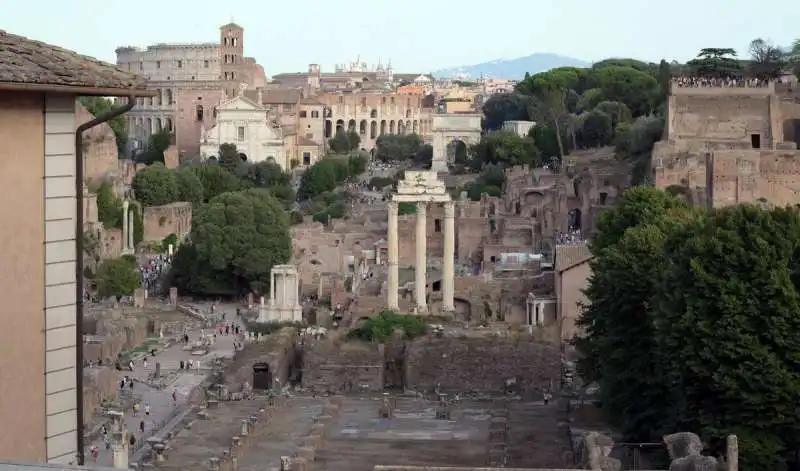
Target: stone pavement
(162,408)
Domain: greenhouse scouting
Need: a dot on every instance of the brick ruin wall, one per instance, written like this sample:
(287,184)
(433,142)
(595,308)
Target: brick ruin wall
(333,366)
(457,364)
(161,221)
(481,364)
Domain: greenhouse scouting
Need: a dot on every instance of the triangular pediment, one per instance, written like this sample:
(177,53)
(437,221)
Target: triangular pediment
(240,103)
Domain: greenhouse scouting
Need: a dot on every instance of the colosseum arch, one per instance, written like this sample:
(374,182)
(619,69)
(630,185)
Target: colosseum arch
(453,127)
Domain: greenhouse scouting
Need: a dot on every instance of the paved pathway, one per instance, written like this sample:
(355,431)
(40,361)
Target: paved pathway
(161,404)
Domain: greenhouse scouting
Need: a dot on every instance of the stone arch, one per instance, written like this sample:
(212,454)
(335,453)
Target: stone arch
(575,219)
(401,127)
(383,127)
(391,127)
(243,156)
(414,127)
(149,125)
(328,128)
(462,308)
(791,131)
(373,129)
(159,125)
(457,151)
(362,127)
(170,125)
(339,126)
(449,127)
(408,126)
(351,125)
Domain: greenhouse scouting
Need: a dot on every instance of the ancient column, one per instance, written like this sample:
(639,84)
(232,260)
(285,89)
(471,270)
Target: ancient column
(125,228)
(272,288)
(421,268)
(448,274)
(394,275)
(131,229)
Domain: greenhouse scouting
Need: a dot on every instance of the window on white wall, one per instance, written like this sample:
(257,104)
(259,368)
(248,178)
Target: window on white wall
(240,131)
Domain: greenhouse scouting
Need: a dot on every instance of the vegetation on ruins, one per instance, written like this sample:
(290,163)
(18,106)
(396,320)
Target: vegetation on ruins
(99,106)
(344,142)
(328,173)
(397,147)
(155,185)
(236,238)
(691,323)
(380,328)
(157,144)
(505,149)
(117,277)
(490,182)
(109,211)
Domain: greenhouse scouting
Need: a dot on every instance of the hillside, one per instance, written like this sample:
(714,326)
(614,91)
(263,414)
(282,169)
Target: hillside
(511,68)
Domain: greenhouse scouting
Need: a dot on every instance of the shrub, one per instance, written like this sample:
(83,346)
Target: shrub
(380,328)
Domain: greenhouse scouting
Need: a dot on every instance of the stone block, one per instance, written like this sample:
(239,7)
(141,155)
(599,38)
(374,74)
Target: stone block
(312,441)
(319,429)
(307,453)
(299,464)
(173,296)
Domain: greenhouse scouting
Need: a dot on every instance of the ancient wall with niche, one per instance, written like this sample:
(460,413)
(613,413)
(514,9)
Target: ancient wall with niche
(732,139)
(161,221)
(481,364)
(278,350)
(733,118)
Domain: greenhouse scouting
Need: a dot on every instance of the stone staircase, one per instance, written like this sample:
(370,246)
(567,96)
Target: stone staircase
(535,438)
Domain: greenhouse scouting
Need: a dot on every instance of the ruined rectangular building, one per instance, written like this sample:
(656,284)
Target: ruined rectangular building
(725,146)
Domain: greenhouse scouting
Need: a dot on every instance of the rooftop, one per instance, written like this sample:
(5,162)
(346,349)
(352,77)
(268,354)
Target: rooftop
(34,65)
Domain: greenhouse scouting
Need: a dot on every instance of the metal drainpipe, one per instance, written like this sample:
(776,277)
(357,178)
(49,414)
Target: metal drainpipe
(79,265)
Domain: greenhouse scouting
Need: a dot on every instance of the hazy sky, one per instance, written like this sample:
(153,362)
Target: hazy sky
(418,35)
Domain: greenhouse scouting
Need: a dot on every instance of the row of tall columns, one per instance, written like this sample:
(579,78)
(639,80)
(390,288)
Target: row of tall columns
(421,258)
(448,269)
(421,263)
(394,275)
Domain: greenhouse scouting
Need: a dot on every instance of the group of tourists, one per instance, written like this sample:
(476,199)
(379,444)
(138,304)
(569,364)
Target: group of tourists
(572,237)
(152,270)
(720,82)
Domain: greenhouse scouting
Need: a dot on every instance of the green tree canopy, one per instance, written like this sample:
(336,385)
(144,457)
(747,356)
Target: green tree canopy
(155,185)
(502,107)
(236,239)
(716,62)
(216,180)
(190,188)
(395,147)
(117,277)
(691,323)
(505,149)
(344,141)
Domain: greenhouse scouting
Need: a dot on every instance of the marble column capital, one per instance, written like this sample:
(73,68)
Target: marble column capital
(449,209)
(393,208)
(422,207)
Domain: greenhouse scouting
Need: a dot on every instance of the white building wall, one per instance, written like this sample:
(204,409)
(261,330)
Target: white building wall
(60,283)
(260,141)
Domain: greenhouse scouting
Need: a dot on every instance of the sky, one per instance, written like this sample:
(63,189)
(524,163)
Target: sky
(417,35)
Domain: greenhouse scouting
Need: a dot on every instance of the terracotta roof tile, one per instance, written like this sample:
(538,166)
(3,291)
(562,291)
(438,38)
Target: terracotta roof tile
(280,97)
(25,61)
(570,255)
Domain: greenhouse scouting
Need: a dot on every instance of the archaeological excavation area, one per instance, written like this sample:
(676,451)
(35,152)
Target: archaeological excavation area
(359,433)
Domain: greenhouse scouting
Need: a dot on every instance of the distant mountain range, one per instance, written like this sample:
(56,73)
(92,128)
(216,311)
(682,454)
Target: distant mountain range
(511,68)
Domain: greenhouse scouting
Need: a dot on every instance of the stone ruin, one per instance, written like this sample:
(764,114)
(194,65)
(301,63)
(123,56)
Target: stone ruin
(684,448)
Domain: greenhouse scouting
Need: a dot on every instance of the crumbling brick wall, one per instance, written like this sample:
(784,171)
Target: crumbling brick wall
(278,350)
(481,364)
(114,336)
(99,384)
(336,366)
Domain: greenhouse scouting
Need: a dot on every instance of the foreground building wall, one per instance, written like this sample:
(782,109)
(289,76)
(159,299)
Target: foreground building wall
(37,351)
